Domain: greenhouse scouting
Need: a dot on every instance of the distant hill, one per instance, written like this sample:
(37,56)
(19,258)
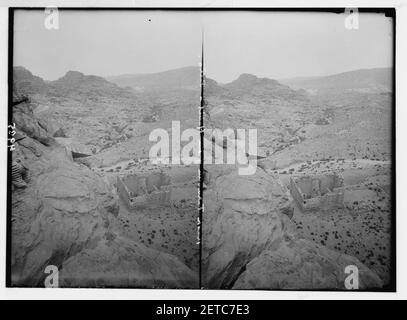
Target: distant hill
(376,80)
(26,82)
(212,88)
(185,78)
(76,83)
(73,84)
(250,86)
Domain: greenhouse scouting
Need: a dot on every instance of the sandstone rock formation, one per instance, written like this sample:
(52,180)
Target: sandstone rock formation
(27,124)
(302,264)
(119,262)
(241,219)
(249,241)
(63,210)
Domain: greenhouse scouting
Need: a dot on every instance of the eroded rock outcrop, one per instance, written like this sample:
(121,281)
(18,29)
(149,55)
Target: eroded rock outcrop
(241,219)
(303,264)
(64,209)
(119,262)
(27,124)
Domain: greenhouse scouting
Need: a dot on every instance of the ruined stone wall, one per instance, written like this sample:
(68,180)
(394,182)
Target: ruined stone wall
(303,184)
(332,200)
(143,191)
(132,185)
(157,181)
(331,195)
(327,183)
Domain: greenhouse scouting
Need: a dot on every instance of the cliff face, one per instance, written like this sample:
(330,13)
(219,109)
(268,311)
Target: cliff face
(27,124)
(63,218)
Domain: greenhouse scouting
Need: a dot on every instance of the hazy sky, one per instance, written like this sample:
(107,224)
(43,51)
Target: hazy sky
(267,44)
(107,42)
(283,45)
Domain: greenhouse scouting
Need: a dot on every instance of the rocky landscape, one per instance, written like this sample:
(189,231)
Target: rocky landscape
(75,135)
(255,236)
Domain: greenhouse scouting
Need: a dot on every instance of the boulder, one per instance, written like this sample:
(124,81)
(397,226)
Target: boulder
(119,262)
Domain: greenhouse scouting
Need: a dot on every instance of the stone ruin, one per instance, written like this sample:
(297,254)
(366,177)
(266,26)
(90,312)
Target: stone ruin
(317,191)
(141,191)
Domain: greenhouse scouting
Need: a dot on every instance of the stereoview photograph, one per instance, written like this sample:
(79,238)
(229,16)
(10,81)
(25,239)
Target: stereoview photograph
(202,149)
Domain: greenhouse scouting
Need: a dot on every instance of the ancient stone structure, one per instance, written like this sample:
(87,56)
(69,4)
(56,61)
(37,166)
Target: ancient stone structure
(141,191)
(317,192)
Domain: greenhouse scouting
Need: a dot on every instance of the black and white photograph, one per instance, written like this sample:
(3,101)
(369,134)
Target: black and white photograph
(209,149)
(92,92)
(316,208)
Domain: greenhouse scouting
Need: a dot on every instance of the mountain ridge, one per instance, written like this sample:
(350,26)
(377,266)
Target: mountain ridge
(72,83)
(373,80)
(185,77)
(248,85)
